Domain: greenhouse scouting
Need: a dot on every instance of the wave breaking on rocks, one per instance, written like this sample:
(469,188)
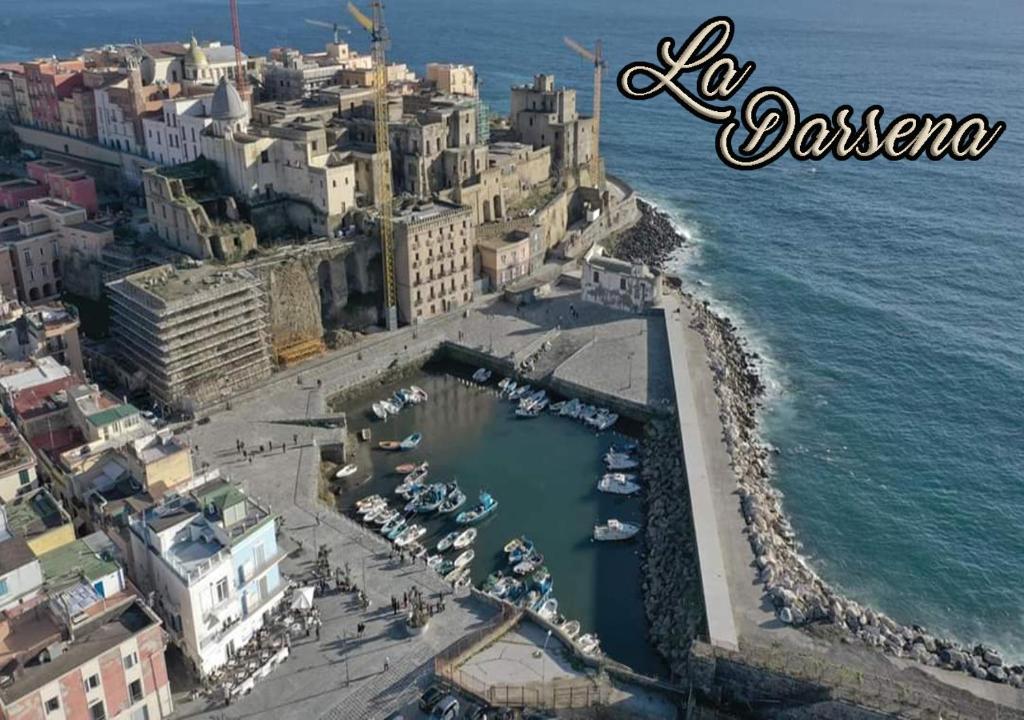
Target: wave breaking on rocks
(800,597)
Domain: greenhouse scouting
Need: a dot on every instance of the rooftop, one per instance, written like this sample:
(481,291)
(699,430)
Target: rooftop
(14,553)
(34,514)
(168,283)
(422,211)
(71,563)
(112,415)
(43,370)
(44,398)
(17,183)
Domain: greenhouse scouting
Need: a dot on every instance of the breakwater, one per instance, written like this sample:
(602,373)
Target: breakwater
(799,596)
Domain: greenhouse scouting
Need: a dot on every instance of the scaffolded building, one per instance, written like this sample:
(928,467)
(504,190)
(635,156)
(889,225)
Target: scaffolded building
(199,334)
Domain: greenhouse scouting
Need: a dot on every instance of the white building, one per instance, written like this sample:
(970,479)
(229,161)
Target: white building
(213,562)
(176,136)
(619,284)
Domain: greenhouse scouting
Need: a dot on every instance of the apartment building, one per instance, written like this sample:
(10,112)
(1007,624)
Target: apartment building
(17,462)
(434,245)
(213,560)
(48,82)
(197,334)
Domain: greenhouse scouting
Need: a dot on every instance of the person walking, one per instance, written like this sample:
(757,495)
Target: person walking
(387,664)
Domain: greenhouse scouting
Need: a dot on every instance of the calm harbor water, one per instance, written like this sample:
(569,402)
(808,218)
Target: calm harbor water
(886,296)
(543,473)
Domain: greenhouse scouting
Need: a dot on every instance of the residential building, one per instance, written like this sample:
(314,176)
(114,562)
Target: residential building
(453,79)
(8,97)
(507,255)
(106,663)
(65,182)
(17,462)
(101,416)
(205,65)
(213,561)
(617,283)
(291,75)
(122,105)
(16,193)
(38,519)
(21,578)
(544,116)
(197,334)
(53,331)
(48,82)
(173,134)
(434,244)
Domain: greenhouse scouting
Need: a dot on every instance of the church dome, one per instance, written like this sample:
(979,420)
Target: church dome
(227,104)
(195,55)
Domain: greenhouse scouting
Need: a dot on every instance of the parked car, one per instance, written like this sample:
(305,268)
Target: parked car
(446,709)
(475,712)
(430,698)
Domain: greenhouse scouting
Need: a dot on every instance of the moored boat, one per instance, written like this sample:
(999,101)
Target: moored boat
(445,543)
(434,562)
(405,468)
(465,558)
(410,534)
(349,469)
(548,609)
(419,393)
(384,518)
(615,530)
(455,574)
(379,411)
(395,525)
(512,545)
(463,581)
(456,499)
(367,501)
(389,445)
(620,462)
(412,441)
(509,388)
(520,551)
(588,644)
(417,550)
(482,375)
(617,484)
(478,512)
(465,539)
(571,629)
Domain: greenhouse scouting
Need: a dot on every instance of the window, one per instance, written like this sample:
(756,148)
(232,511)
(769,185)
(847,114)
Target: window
(135,690)
(264,157)
(131,660)
(92,682)
(222,589)
(622,283)
(24,478)
(52,705)
(96,712)
(3,587)
(597,276)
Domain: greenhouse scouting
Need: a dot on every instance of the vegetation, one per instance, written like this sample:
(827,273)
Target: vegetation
(93,315)
(10,145)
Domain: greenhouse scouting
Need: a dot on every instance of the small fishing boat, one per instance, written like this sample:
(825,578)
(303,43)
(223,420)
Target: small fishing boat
(617,484)
(371,507)
(419,393)
(434,562)
(627,448)
(384,518)
(482,375)
(349,469)
(521,551)
(418,473)
(410,490)
(532,598)
(391,406)
(456,499)
(620,462)
(557,407)
(369,500)
(542,580)
(521,391)
(503,383)
(571,629)
(571,408)
(512,545)
(410,534)
(509,388)
(417,550)
(389,445)
(397,528)
(605,421)
(465,539)
(429,500)
(478,512)
(588,644)
(445,543)
(405,468)
(465,558)
(408,396)
(528,565)
(396,523)
(615,530)
(455,574)
(548,609)
(411,442)
(463,581)
(377,511)
(379,410)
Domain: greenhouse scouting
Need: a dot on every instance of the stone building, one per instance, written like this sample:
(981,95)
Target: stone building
(198,334)
(47,83)
(207,65)
(434,245)
(292,75)
(453,79)
(619,284)
(507,255)
(544,116)
(174,134)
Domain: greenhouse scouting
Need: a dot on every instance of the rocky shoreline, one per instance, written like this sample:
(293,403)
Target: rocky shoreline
(799,596)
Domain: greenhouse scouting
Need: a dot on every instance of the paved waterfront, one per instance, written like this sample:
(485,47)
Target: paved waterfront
(312,684)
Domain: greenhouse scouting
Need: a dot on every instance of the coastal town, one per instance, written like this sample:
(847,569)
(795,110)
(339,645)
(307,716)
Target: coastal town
(222,276)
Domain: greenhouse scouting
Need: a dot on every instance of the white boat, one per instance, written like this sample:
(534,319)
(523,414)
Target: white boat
(557,407)
(417,550)
(383,518)
(455,575)
(409,535)
(503,383)
(419,393)
(615,530)
(571,408)
(434,562)
(521,391)
(371,507)
(482,375)
(603,421)
(372,515)
(571,628)
(379,410)
(617,484)
(367,501)
(620,462)
(445,543)
(350,469)
(510,387)
(548,609)
(463,581)
(588,644)
(395,525)
(465,558)
(390,406)
(526,567)
(465,539)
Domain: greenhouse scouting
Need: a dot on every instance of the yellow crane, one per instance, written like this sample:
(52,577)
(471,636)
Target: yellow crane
(597,58)
(382,173)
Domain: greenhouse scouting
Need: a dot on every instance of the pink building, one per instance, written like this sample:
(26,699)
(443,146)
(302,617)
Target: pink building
(16,193)
(65,183)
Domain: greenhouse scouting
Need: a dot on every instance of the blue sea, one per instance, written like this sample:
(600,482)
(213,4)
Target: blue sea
(886,298)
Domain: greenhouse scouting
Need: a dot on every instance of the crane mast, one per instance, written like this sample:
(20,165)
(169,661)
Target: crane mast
(382,173)
(236,38)
(597,58)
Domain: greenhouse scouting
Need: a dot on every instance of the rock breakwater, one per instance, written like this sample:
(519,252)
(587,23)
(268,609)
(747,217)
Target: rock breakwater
(800,597)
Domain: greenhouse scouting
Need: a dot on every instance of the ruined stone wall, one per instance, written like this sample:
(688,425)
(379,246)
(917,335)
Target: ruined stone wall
(293,302)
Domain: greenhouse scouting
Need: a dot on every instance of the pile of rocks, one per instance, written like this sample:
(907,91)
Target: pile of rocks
(800,597)
(671,578)
(652,240)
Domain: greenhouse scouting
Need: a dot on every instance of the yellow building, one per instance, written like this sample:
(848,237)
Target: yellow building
(39,520)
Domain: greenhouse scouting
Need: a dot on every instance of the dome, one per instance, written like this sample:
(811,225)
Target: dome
(227,104)
(195,54)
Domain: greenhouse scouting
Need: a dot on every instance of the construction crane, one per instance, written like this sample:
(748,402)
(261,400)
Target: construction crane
(236,38)
(382,173)
(335,27)
(597,58)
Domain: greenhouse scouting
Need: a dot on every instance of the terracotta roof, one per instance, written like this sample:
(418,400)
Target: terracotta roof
(37,400)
